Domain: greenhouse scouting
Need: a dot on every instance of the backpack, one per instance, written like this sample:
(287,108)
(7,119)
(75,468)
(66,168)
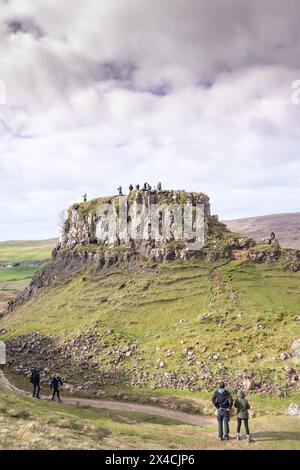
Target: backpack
(33,377)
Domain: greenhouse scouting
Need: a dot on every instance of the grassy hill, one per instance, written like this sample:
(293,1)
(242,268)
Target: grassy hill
(159,333)
(19,260)
(286,227)
(195,319)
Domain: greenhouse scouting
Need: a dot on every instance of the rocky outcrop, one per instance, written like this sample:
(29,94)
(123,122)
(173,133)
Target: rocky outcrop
(131,219)
(265,252)
(94,234)
(106,232)
(293,256)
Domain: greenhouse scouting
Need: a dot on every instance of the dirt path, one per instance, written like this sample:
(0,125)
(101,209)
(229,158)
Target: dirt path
(197,420)
(221,284)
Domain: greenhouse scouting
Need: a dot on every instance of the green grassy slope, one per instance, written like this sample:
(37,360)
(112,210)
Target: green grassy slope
(31,424)
(225,315)
(20,251)
(15,279)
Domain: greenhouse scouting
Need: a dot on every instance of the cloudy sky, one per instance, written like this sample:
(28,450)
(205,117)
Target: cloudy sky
(195,93)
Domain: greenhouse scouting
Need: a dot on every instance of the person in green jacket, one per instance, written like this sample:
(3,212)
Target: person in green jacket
(242,406)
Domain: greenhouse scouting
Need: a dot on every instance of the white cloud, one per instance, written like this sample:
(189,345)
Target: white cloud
(196,94)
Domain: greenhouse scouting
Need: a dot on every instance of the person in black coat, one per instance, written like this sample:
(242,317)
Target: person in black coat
(55,383)
(35,379)
(223,401)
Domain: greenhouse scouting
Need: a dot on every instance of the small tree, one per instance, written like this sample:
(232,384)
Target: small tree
(61,219)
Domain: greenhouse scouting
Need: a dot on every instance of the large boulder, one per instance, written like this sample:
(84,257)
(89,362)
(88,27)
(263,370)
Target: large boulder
(293,410)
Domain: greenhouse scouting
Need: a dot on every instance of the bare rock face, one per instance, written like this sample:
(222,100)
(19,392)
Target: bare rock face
(130,221)
(159,226)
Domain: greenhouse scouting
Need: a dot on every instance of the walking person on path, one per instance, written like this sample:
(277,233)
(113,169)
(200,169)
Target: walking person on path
(55,383)
(35,379)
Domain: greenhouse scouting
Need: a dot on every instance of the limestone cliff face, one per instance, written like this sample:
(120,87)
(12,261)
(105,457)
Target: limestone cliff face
(86,238)
(86,223)
(93,236)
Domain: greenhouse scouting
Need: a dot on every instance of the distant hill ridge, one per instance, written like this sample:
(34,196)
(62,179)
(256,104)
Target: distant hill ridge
(286,227)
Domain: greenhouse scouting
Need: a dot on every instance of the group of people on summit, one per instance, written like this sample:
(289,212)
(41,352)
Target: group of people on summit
(35,379)
(146,187)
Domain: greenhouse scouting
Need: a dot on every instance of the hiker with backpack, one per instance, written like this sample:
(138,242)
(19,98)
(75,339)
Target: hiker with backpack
(35,379)
(55,383)
(223,401)
(242,405)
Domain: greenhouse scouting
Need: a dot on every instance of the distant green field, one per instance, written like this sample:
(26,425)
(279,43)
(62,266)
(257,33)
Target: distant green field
(14,280)
(15,275)
(20,251)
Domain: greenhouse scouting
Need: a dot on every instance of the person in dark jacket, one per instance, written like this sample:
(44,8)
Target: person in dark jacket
(272,238)
(130,187)
(35,379)
(223,402)
(242,406)
(55,383)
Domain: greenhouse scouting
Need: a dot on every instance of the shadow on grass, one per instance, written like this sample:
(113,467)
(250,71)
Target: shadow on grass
(277,436)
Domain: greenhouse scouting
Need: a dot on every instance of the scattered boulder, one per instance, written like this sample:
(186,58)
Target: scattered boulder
(283,356)
(241,243)
(289,370)
(293,410)
(294,267)
(248,385)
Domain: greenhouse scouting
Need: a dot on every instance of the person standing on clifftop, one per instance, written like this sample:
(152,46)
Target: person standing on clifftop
(120,191)
(84,197)
(130,188)
(55,383)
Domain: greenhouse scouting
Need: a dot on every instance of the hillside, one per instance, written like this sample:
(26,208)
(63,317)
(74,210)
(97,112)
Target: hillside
(153,313)
(182,325)
(19,260)
(151,321)
(285,226)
